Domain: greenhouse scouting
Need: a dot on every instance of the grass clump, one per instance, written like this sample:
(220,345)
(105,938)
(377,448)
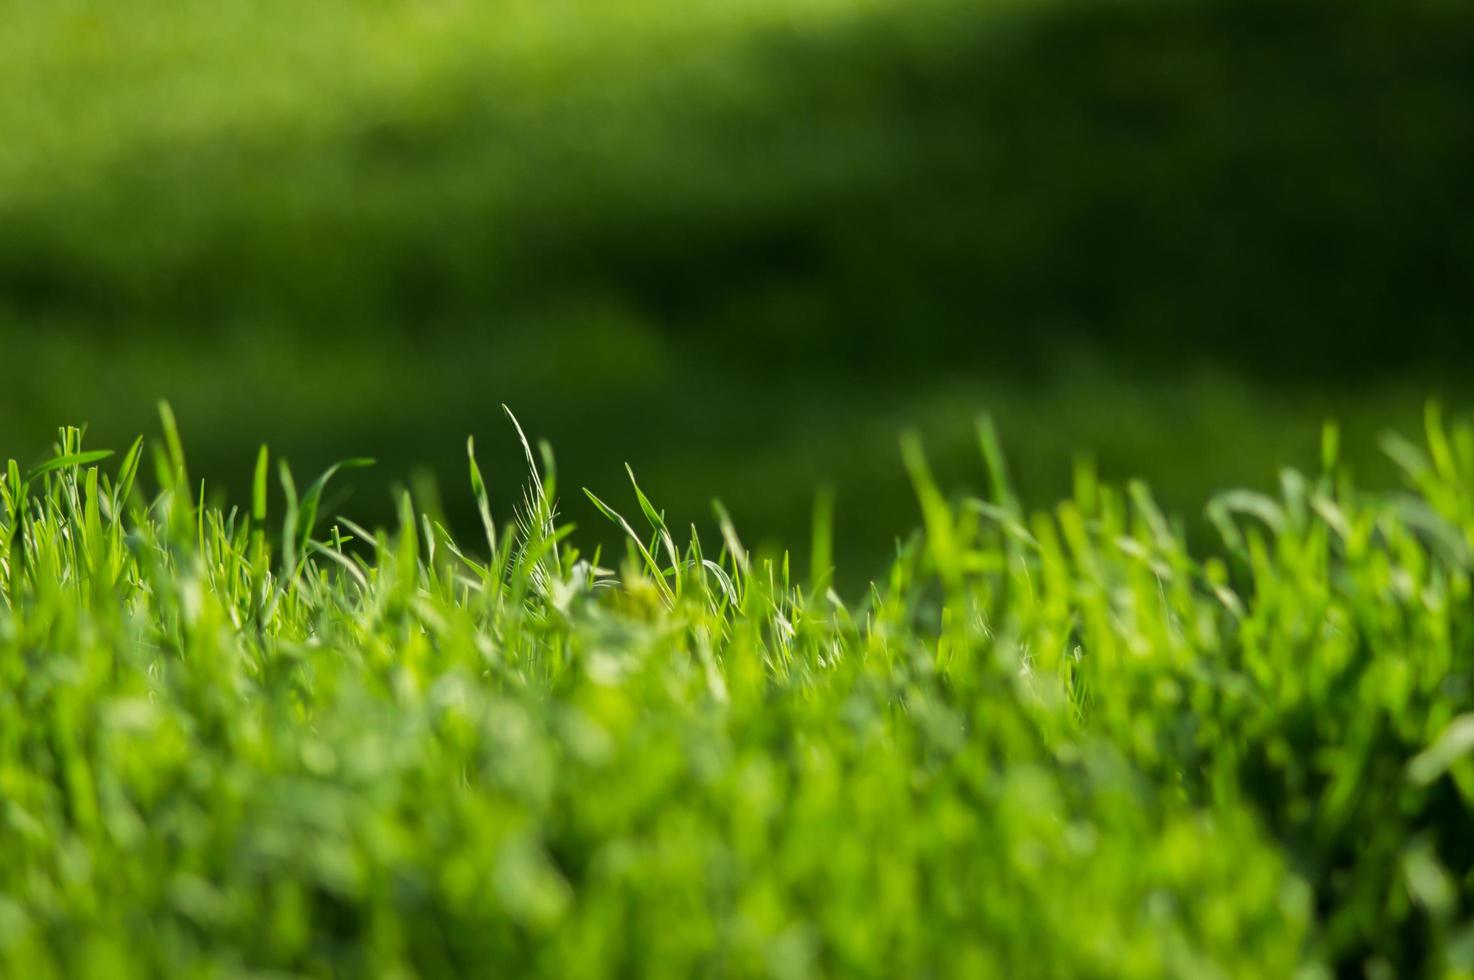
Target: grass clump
(257,742)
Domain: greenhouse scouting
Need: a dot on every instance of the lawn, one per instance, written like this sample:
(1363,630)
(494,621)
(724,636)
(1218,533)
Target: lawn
(264,740)
(850,697)
(740,245)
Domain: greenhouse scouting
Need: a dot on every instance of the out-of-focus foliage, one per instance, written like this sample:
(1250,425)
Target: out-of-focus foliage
(758,178)
(358,223)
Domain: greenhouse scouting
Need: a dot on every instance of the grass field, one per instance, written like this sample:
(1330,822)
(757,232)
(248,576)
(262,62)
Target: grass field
(741,243)
(261,740)
(456,717)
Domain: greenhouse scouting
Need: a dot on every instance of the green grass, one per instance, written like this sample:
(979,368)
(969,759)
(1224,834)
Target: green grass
(740,243)
(262,740)
(688,427)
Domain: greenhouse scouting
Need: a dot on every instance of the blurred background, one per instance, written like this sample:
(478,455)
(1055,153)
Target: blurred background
(739,244)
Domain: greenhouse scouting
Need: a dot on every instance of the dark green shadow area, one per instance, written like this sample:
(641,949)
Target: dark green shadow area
(742,252)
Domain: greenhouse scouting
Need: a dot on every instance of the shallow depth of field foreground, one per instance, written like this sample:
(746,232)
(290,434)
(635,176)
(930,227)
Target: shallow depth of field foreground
(260,740)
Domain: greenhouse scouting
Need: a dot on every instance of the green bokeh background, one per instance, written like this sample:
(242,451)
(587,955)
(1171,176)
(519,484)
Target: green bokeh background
(739,245)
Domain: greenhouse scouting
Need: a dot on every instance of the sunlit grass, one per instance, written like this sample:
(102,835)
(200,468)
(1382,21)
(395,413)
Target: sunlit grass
(241,741)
